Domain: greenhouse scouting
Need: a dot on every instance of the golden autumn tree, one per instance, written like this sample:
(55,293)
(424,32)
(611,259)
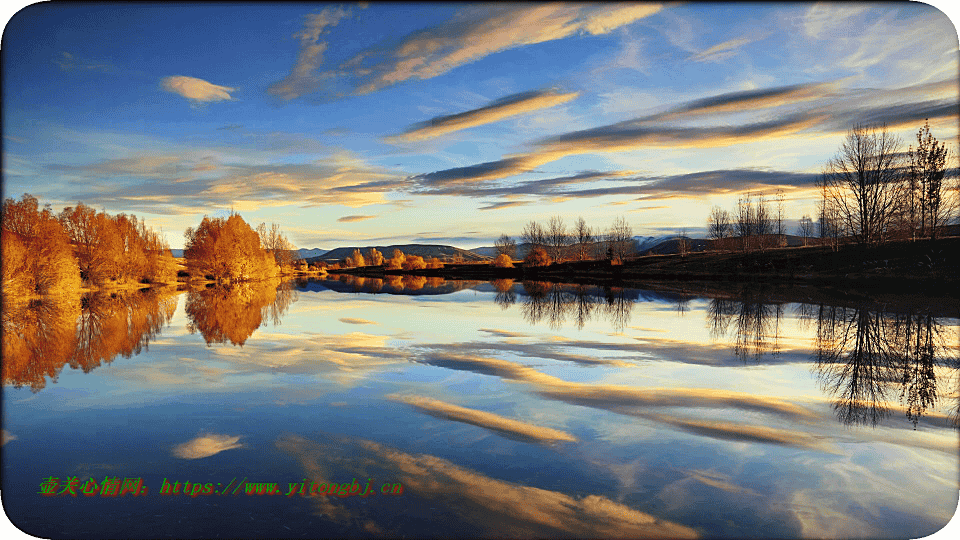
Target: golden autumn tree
(227,250)
(36,251)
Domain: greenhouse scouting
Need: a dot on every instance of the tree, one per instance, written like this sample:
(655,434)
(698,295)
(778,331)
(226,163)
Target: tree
(36,251)
(503,261)
(620,240)
(537,257)
(805,229)
(374,257)
(864,183)
(557,237)
(227,250)
(506,246)
(927,209)
(683,243)
(355,259)
(779,228)
(414,262)
(584,238)
(762,223)
(396,262)
(272,240)
(745,221)
(533,235)
(718,224)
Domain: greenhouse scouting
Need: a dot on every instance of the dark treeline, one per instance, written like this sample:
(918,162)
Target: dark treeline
(554,243)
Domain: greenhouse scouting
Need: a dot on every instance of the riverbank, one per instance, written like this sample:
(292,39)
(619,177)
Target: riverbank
(891,267)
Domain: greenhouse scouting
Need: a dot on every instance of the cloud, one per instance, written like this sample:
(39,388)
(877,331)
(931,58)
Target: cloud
(835,112)
(192,182)
(206,446)
(303,78)
(507,426)
(351,219)
(474,33)
(723,50)
(505,204)
(497,110)
(494,507)
(196,90)
(7,437)
(349,320)
(68,62)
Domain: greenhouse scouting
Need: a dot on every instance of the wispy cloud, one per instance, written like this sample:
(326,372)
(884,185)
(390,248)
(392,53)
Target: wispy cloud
(504,204)
(724,50)
(68,62)
(196,90)
(304,78)
(497,110)
(474,33)
(507,426)
(351,219)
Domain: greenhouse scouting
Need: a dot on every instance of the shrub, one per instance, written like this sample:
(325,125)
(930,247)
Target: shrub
(537,257)
(503,261)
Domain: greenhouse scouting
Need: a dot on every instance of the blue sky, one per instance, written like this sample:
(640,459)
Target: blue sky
(355,124)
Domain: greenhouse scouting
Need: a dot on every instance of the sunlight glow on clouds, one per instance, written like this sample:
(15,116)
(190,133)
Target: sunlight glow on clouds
(196,90)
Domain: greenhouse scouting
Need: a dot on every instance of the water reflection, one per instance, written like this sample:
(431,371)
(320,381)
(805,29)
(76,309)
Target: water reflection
(757,329)
(40,336)
(555,302)
(866,358)
(478,504)
(233,313)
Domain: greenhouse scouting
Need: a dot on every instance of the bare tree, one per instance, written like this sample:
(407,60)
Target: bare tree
(779,228)
(506,246)
(533,235)
(584,238)
(927,210)
(745,221)
(557,237)
(718,225)
(864,183)
(683,243)
(805,229)
(620,240)
(762,223)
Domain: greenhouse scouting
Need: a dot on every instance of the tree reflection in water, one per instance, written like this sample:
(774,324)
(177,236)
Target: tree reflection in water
(758,323)
(505,296)
(40,336)
(864,358)
(554,302)
(233,313)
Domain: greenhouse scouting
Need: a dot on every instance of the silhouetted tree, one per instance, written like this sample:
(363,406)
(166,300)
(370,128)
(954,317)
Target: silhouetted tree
(506,246)
(718,225)
(583,236)
(805,229)
(864,183)
(557,238)
(533,235)
(927,206)
(620,240)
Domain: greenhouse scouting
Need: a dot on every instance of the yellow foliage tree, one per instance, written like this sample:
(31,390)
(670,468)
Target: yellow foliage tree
(227,250)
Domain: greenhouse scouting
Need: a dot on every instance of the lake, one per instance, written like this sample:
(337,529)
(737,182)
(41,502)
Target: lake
(429,408)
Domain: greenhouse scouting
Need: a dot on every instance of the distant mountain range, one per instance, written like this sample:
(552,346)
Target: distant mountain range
(304,253)
(427,251)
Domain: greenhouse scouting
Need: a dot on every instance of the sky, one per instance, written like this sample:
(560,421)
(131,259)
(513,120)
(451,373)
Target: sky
(390,123)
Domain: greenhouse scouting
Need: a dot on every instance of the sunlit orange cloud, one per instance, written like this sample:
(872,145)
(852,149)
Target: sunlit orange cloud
(479,31)
(206,446)
(497,507)
(497,110)
(486,420)
(196,90)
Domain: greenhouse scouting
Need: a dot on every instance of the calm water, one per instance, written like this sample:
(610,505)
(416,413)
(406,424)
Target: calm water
(499,409)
